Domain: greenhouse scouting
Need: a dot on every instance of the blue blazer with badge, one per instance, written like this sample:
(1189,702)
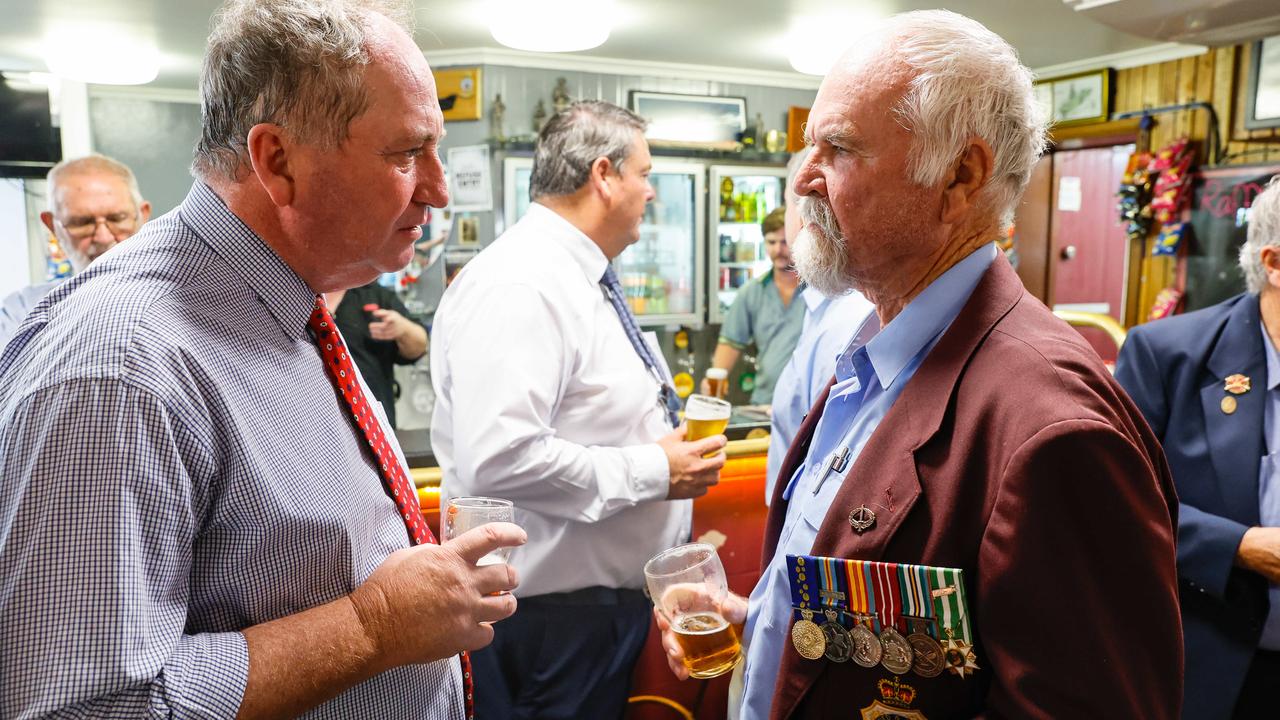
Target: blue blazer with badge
(1175,370)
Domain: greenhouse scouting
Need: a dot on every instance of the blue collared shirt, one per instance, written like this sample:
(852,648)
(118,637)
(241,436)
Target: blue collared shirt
(828,325)
(176,468)
(870,375)
(1269,480)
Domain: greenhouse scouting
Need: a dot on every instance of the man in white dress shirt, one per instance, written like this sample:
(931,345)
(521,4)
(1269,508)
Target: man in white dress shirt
(549,396)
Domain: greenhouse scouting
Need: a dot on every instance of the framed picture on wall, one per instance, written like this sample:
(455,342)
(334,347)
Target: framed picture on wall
(1262,104)
(692,120)
(1077,99)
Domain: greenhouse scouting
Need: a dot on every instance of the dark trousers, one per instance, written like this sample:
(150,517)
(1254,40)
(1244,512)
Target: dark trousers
(1258,698)
(562,656)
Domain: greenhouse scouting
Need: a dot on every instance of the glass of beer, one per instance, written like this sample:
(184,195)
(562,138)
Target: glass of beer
(705,416)
(687,584)
(717,382)
(465,513)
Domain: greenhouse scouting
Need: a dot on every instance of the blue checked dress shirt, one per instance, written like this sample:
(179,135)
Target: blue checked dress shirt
(668,397)
(176,468)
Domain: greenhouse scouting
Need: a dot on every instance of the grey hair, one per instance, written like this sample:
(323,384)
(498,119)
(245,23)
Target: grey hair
(572,140)
(92,164)
(796,162)
(298,64)
(1264,231)
(968,82)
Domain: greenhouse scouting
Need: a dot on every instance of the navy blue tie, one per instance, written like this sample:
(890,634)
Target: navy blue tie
(667,395)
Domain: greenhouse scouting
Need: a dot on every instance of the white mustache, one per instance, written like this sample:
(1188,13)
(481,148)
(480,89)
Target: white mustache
(817,211)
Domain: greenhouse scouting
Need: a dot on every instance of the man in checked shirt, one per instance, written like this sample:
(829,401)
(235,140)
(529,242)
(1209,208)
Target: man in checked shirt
(190,523)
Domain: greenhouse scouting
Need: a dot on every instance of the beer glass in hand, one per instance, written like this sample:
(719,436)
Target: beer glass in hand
(717,382)
(687,584)
(464,513)
(705,416)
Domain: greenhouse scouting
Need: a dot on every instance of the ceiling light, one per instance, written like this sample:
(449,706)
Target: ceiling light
(816,42)
(99,55)
(551,25)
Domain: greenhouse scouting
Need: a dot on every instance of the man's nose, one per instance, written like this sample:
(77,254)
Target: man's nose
(432,189)
(102,233)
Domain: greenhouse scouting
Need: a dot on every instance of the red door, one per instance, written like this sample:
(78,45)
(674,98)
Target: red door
(1088,248)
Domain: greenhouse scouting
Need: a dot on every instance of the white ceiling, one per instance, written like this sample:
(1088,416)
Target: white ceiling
(747,35)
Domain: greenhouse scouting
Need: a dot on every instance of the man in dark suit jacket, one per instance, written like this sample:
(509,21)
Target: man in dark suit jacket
(1203,380)
(979,432)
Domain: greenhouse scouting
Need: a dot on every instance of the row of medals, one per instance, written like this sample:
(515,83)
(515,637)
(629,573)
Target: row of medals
(916,652)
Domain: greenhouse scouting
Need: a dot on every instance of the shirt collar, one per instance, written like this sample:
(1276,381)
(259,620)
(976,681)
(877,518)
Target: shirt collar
(583,249)
(1273,359)
(927,315)
(286,295)
(813,298)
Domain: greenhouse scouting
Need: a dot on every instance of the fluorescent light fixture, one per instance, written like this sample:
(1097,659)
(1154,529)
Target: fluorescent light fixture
(101,55)
(551,25)
(816,42)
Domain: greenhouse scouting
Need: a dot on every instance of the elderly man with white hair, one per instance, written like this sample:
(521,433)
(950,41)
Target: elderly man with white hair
(974,520)
(1207,382)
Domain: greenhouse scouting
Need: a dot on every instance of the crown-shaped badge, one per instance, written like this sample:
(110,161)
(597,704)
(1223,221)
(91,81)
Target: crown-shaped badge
(896,692)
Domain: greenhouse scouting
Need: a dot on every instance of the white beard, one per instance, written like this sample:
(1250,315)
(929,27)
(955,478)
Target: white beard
(819,249)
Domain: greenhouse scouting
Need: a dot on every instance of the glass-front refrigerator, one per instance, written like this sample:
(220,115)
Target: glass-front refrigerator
(515,189)
(662,275)
(741,197)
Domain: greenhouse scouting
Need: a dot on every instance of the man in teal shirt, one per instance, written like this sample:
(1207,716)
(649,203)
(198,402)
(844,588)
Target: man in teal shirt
(764,313)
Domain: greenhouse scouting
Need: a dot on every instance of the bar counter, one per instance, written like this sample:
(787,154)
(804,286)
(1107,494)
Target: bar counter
(732,515)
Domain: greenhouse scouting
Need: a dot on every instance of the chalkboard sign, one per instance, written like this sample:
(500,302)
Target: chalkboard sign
(1220,203)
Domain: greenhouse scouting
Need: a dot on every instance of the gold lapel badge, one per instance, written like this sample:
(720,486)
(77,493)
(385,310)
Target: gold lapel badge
(862,519)
(1228,405)
(1237,384)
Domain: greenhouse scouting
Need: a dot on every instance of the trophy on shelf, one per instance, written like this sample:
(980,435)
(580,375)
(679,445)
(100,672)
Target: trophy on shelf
(495,119)
(560,96)
(539,117)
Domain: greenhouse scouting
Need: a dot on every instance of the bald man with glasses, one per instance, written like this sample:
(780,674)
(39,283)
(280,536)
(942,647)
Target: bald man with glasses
(94,203)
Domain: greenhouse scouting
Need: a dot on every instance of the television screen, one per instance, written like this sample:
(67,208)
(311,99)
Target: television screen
(29,142)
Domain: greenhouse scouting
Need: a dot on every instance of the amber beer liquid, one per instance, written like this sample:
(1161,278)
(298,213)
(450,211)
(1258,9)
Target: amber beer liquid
(705,416)
(711,645)
(717,382)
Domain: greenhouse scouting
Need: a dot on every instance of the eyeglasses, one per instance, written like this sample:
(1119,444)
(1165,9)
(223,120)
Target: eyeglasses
(84,226)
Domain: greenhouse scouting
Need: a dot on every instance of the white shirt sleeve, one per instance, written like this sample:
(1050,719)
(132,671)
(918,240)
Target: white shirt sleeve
(510,353)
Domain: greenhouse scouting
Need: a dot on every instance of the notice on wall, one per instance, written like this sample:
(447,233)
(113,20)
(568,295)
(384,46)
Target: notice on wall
(1069,196)
(471,187)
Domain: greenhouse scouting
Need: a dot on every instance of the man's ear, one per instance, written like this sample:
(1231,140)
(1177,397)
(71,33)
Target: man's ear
(269,160)
(971,172)
(1270,256)
(144,212)
(46,217)
(601,169)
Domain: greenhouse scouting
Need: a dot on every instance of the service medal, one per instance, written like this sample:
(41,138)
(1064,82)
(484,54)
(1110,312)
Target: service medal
(960,658)
(898,654)
(928,661)
(866,646)
(807,637)
(839,643)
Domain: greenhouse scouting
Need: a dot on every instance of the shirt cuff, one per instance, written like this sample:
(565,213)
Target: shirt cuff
(650,472)
(732,343)
(205,677)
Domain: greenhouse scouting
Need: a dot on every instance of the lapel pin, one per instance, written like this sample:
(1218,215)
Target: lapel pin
(1228,405)
(1236,385)
(862,519)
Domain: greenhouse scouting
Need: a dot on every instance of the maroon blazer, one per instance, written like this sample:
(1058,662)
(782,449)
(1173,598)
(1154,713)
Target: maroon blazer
(1012,454)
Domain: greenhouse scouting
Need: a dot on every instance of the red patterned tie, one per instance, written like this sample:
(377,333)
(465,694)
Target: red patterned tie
(343,374)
